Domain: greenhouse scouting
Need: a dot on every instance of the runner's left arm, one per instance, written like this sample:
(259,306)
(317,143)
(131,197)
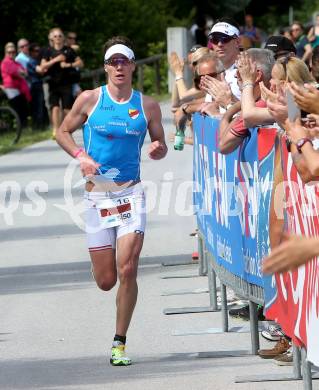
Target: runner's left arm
(157,149)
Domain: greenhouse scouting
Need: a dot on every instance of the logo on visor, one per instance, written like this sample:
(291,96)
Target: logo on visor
(133,113)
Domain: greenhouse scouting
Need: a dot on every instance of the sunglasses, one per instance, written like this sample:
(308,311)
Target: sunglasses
(198,77)
(284,61)
(58,36)
(71,37)
(118,61)
(194,48)
(22,46)
(215,39)
(11,51)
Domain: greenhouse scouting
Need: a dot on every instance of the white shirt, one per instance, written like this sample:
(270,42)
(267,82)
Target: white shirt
(230,77)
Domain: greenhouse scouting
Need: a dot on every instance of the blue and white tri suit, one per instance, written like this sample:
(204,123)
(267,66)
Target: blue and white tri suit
(113,136)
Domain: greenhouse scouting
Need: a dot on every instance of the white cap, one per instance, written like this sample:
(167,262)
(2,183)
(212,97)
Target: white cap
(224,28)
(119,49)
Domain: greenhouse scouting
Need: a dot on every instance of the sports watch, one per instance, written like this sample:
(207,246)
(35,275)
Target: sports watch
(300,143)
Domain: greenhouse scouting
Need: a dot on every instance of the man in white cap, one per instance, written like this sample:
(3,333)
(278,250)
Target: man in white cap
(115,119)
(224,39)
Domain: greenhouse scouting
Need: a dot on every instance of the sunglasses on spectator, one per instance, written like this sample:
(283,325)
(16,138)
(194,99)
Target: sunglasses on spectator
(71,37)
(215,39)
(198,77)
(58,36)
(22,46)
(284,61)
(118,61)
(194,48)
(11,51)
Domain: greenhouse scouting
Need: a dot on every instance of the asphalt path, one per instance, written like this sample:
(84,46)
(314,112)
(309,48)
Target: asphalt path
(56,327)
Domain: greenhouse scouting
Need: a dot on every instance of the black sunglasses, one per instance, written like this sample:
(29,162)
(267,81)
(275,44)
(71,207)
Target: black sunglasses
(215,39)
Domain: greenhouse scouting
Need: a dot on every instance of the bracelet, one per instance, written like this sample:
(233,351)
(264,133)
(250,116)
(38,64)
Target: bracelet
(247,85)
(78,152)
(179,78)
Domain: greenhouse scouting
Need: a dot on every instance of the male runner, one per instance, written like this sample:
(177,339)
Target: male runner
(115,119)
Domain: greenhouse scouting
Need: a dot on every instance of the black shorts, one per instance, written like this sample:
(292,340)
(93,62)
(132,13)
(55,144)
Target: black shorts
(63,93)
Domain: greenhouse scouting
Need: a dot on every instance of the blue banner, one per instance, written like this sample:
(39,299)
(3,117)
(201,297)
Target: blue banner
(232,197)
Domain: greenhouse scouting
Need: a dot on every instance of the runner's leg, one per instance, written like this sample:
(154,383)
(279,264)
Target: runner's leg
(104,268)
(129,248)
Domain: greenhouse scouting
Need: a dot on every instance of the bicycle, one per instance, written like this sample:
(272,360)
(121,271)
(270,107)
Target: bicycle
(10,124)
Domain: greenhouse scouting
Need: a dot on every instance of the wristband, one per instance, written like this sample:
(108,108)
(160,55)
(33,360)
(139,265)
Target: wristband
(179,78)
(248,85)
(77,152)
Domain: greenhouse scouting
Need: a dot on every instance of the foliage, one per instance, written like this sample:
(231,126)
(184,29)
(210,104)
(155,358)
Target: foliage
(149,70)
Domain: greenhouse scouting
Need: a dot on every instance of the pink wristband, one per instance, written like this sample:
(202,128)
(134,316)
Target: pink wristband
(78,152)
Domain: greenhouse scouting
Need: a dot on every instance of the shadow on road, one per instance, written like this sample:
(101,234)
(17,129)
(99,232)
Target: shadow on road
(85,371)
(63,276)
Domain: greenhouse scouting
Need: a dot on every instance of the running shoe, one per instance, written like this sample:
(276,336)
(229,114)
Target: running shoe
(273,333)
(119,357)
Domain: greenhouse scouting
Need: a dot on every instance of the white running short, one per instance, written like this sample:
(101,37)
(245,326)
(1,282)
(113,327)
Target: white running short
(111,215)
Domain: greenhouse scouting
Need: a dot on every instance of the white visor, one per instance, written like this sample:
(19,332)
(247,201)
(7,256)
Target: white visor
(224,28)
(119,49)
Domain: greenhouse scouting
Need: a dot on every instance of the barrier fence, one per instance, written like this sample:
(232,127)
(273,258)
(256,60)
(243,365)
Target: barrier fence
(241,200)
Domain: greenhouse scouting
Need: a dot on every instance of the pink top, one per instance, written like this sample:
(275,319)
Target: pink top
(12,78)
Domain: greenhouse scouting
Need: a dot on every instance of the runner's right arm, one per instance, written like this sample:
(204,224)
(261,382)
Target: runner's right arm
(75,119)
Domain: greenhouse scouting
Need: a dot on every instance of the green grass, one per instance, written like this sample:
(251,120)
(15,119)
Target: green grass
(28,137)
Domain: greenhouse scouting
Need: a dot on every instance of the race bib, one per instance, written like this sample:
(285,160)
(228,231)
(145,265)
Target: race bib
(115,212)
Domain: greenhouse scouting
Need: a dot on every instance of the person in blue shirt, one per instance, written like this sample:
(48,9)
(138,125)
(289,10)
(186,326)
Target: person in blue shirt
(115,119)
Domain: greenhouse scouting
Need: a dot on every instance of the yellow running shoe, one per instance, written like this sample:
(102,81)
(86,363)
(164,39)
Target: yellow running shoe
(118,357)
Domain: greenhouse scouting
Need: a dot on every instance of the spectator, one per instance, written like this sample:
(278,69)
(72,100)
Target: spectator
(40,118)
(254,66)
(71,41)
(301,42)
(181,93)
(224,37)
(60,61)
(314,63)
(313,34)
(244,43)
(250,31)
(208,64)
(23,57)
(286,32)
(294,73)
(280,46)
(14,83)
